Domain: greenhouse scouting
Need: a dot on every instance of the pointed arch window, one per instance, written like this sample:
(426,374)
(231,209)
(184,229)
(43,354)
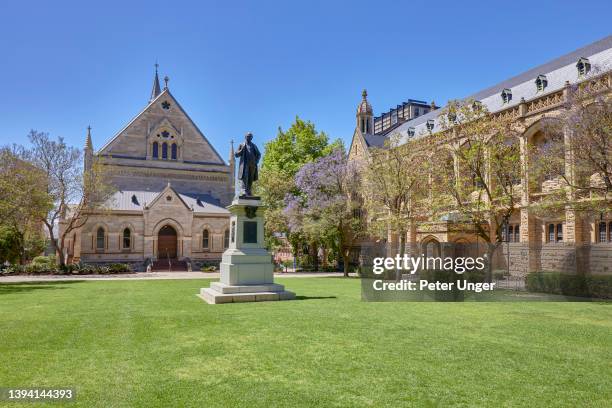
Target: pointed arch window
(559,232)
(226,239)
(517,234)
(205,239)
(127,238)
(155,150)
(551,232)
(100,239)
(603,233)
(174,151)
(165,151)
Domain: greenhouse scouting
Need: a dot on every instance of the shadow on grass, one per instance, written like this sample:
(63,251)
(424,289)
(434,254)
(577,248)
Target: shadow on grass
(314,297)
(9,288)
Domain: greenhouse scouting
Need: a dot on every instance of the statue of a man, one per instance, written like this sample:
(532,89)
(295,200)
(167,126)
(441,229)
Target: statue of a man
(249,158)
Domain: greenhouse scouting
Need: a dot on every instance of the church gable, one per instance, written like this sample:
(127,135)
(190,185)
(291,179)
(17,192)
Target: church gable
(168,199)
(163,121)
(358,149)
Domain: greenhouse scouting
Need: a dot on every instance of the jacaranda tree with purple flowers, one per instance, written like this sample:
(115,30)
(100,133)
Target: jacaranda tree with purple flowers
(324,207)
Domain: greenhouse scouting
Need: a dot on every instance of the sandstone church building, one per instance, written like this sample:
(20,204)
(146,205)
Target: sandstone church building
(171,189)
(567,241)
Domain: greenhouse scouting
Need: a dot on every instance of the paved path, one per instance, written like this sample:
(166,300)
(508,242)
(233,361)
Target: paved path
(152,276)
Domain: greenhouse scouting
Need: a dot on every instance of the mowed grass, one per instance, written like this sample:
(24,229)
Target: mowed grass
(155,344)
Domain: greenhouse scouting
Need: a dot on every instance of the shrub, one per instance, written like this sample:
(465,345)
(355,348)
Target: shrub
(44,260)
(14,270)
(499,274)
(40,268)
(592,286)
(119,268)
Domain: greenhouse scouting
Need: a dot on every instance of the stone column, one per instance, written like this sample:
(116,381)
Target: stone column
(411,240)
(529,235)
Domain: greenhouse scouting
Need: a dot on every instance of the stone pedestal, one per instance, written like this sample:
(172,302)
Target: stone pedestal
(247,272)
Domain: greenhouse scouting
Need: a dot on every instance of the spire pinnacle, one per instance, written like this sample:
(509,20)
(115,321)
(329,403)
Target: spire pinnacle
(156,88)
(364,94)
(88,142)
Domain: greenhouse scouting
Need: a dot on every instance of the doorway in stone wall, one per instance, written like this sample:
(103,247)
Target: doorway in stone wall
(167,243)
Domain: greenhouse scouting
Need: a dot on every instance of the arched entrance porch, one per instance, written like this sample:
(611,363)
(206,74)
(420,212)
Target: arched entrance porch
(167,242)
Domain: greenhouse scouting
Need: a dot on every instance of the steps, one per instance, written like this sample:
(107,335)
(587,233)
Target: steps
(172,265)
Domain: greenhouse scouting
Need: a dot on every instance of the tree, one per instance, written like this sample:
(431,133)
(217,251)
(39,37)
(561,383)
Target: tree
(283,157)
(480,184)
(393,183)
(74,193)
(10,245)
(582,135)
(324,208)
(23,203)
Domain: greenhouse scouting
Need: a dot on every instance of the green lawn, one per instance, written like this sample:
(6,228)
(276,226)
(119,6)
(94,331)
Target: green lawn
(155,344)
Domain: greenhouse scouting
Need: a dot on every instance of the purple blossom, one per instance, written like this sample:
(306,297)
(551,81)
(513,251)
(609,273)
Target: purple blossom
(323,186)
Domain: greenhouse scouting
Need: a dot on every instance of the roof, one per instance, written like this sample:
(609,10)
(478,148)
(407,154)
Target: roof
(557,72)
(134,200)
(374,140)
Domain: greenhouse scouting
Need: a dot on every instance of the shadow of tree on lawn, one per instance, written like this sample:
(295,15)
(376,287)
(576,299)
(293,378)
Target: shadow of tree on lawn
(21,287)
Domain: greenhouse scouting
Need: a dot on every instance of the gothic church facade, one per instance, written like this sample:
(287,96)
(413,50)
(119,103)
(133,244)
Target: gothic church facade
(171,188)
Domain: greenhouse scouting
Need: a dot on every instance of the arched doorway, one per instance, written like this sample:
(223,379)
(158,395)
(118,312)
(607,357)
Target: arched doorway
(431,247)
(166,243)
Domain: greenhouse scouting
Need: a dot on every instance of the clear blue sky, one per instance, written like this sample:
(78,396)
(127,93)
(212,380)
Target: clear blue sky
(238,66)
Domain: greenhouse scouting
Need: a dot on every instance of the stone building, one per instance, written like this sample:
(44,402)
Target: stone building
(568,242)
(172,187)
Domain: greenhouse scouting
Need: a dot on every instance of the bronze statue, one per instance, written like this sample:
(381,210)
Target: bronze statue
(247,171)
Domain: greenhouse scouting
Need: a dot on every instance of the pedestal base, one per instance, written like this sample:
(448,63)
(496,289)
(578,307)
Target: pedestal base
(221,293)
(247,272)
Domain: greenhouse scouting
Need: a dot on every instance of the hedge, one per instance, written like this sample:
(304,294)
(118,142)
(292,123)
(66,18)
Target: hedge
(592,286)
(37,268)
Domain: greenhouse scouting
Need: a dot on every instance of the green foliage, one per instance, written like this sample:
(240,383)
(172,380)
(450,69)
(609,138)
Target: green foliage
(50,268)
(283,157)
(208,268)
(45,260)
(10,244)
(293,148)
(477,177)
(591,286)
(394,188)
(499,274)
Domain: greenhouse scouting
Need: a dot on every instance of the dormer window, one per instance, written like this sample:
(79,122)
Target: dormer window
(506,95)
(583,66)
(541,83)
(430,124)
(410,132)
